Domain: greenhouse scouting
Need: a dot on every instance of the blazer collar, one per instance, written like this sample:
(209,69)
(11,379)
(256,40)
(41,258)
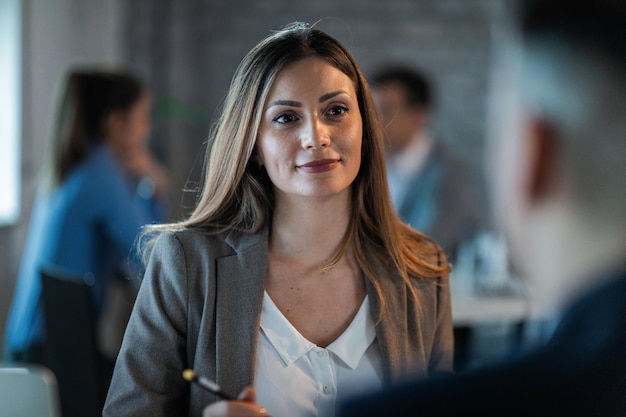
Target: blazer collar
(239,295)
(393,327)
(240,241)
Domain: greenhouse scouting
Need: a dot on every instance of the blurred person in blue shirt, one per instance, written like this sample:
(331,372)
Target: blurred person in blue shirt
(100,185)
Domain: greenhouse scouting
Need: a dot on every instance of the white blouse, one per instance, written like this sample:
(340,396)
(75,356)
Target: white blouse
(296,378)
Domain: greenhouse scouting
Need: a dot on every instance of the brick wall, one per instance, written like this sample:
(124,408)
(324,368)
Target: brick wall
(188,50)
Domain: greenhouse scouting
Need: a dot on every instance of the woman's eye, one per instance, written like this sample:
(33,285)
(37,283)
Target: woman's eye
(338,110)
(284,118)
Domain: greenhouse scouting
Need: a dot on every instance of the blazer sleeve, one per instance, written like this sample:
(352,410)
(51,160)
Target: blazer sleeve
(147,377)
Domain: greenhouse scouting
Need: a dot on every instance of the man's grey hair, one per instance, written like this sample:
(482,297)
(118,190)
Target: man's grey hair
(574,74)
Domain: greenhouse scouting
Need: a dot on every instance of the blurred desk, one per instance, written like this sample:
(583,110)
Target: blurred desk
(487,327)
(470,310)
(482,285)
(490,307)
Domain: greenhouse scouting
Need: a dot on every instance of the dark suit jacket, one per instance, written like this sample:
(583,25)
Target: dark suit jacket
(581,371)
(200,305)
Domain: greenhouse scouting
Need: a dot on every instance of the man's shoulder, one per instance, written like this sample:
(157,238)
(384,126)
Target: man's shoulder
(598,315)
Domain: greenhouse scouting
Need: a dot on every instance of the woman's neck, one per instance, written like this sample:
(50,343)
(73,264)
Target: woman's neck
(309,229)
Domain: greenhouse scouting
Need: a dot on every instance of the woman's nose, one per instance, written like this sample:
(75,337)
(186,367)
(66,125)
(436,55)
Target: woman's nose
(315,135)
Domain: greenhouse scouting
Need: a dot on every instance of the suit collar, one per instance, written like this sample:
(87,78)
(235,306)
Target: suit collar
(392,327)
(240,241)
(240,281)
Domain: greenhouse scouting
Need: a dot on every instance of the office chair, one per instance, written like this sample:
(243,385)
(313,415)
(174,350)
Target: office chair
(71,348)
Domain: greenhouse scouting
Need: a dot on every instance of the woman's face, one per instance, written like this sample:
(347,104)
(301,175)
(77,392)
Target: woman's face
(311,132)
(138,121)
(130,130)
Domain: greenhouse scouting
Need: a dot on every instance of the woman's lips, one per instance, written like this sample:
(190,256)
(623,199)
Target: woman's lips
(321,165)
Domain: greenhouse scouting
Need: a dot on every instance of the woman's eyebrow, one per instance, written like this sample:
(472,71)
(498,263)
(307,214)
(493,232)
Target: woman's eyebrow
(330,95)
(291,103)
(294,103)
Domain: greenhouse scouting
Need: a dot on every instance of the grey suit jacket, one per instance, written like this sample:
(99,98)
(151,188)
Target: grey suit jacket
(199,307)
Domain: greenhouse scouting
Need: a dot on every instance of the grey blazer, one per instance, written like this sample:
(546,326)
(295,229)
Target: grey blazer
(199,306)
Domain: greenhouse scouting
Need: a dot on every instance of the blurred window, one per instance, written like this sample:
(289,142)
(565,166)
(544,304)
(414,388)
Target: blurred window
(10,111)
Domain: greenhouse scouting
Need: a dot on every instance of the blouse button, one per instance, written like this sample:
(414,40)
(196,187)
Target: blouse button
(327,389)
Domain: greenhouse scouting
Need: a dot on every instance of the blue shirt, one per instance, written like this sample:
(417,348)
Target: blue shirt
(87,225)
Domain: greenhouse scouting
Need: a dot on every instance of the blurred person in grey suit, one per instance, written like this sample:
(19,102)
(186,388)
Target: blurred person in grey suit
(559,159)
(430,184)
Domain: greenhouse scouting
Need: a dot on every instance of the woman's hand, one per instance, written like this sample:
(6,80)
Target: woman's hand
(244,406)
(137,162)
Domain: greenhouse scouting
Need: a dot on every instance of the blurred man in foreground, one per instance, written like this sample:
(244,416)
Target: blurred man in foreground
(559,164)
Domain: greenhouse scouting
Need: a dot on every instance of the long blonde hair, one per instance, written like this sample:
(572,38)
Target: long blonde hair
(237,193)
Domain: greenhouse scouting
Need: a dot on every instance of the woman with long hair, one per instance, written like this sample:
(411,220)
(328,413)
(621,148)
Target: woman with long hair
(292,282)
(99,186)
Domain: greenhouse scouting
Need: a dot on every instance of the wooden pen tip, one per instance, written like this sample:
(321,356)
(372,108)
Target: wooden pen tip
(189,374)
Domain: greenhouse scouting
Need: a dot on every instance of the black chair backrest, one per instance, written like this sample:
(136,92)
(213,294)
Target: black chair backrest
(71,347)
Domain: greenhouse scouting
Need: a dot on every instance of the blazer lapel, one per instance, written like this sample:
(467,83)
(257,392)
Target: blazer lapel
(393,327)
(239,297)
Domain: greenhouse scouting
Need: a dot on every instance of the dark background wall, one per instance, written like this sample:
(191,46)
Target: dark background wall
(187,51)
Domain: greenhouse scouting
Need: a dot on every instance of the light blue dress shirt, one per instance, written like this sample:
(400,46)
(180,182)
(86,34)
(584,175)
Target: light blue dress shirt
(85,226)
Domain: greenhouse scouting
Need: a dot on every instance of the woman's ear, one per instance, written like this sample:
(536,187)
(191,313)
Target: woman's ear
(543,155)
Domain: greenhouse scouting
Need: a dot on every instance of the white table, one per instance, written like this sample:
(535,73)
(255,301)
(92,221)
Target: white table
(470,310)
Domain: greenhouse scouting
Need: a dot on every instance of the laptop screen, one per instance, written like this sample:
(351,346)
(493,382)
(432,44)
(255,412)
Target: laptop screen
(28,391)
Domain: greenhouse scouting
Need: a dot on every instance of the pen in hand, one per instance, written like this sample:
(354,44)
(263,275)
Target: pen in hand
(211,386)
(206,383)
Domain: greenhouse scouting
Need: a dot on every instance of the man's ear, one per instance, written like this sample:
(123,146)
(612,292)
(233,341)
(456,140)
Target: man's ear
(421,117)
(543,146)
